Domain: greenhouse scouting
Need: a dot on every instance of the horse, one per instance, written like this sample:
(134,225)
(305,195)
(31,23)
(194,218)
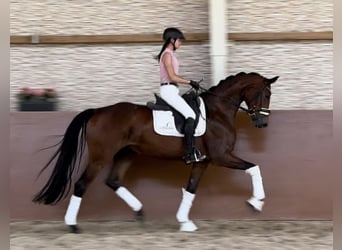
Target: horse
(115,134)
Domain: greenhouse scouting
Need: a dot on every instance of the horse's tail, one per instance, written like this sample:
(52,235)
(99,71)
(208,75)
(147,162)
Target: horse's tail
(59,182)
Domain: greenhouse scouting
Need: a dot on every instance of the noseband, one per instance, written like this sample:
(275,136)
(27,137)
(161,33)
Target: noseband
(262,112)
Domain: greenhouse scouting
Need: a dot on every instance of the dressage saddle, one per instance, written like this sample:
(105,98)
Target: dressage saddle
(191,98)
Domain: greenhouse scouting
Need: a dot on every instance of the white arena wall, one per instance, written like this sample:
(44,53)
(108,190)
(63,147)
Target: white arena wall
(96,75)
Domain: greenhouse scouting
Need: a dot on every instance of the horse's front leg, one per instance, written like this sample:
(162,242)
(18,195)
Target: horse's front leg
(230,161)
(257,200)
(188,196)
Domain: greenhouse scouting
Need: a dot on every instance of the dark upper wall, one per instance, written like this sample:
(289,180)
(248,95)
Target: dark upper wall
(294,153)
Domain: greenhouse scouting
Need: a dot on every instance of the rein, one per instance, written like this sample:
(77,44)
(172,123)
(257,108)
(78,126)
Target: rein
(204,90)
(250,112)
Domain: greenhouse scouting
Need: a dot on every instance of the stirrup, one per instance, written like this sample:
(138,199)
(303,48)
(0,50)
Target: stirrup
(199,156)
(194,157)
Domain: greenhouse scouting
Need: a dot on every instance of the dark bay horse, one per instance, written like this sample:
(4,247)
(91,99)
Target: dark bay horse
(114,134)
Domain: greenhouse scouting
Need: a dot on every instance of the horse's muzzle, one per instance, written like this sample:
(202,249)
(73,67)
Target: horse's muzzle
(260,118)
(259,123)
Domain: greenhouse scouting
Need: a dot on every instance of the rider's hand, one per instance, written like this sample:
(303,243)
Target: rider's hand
(194,84)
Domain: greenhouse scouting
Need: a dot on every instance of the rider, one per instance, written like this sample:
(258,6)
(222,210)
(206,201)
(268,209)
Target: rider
(169,91)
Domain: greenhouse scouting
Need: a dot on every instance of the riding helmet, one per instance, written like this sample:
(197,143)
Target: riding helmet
(174,33)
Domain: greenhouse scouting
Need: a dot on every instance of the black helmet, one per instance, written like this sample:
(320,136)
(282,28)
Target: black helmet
(170,33)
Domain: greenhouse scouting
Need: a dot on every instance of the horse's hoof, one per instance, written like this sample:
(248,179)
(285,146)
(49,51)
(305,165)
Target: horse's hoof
(256,204)
(139,215)
(188,226)
(74,229)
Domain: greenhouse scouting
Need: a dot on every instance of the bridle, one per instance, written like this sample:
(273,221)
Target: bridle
(252,112)
(263,112)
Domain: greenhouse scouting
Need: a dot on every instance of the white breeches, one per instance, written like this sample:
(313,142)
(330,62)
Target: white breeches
(170,94)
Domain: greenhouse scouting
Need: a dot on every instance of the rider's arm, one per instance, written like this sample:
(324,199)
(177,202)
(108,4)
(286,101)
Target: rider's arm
(172,75)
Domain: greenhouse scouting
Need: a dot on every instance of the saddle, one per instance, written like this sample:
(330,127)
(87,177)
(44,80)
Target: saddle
(191,98)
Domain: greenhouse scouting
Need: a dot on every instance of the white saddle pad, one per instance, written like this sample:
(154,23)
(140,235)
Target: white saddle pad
(164,122)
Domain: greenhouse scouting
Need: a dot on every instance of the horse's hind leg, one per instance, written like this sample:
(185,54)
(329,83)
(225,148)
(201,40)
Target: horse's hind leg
(188,197)
(122,160)
(81,185)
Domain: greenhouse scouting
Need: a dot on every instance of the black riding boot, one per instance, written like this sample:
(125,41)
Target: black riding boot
(192,154)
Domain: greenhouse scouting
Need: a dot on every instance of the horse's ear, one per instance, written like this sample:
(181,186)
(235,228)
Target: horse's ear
(272,80)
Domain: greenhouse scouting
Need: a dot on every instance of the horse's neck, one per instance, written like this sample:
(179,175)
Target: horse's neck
(225,101)
(233,97)
(223,108)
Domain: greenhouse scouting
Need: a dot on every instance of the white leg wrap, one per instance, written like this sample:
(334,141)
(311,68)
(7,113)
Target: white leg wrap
(188,226)
(129,198)
(184,208)
(183,212)
(258,188)
(256,203)
(70,217)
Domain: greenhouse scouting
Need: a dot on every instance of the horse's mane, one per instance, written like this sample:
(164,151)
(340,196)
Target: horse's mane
(231,80)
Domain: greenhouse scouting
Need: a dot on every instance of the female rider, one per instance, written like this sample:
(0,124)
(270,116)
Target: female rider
(169,80)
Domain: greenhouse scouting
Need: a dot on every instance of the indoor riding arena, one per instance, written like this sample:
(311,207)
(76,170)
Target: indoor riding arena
(93,54)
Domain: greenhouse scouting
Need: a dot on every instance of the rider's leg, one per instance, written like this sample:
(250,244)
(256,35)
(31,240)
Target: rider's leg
(171,95)
(192,154)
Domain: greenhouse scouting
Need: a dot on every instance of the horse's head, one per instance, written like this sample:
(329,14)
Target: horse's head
(252,88)
(257,95)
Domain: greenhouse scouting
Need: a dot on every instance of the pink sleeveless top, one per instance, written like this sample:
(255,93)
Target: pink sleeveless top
(164,77)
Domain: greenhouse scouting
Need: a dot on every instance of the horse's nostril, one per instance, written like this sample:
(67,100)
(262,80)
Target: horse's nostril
(260,125)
